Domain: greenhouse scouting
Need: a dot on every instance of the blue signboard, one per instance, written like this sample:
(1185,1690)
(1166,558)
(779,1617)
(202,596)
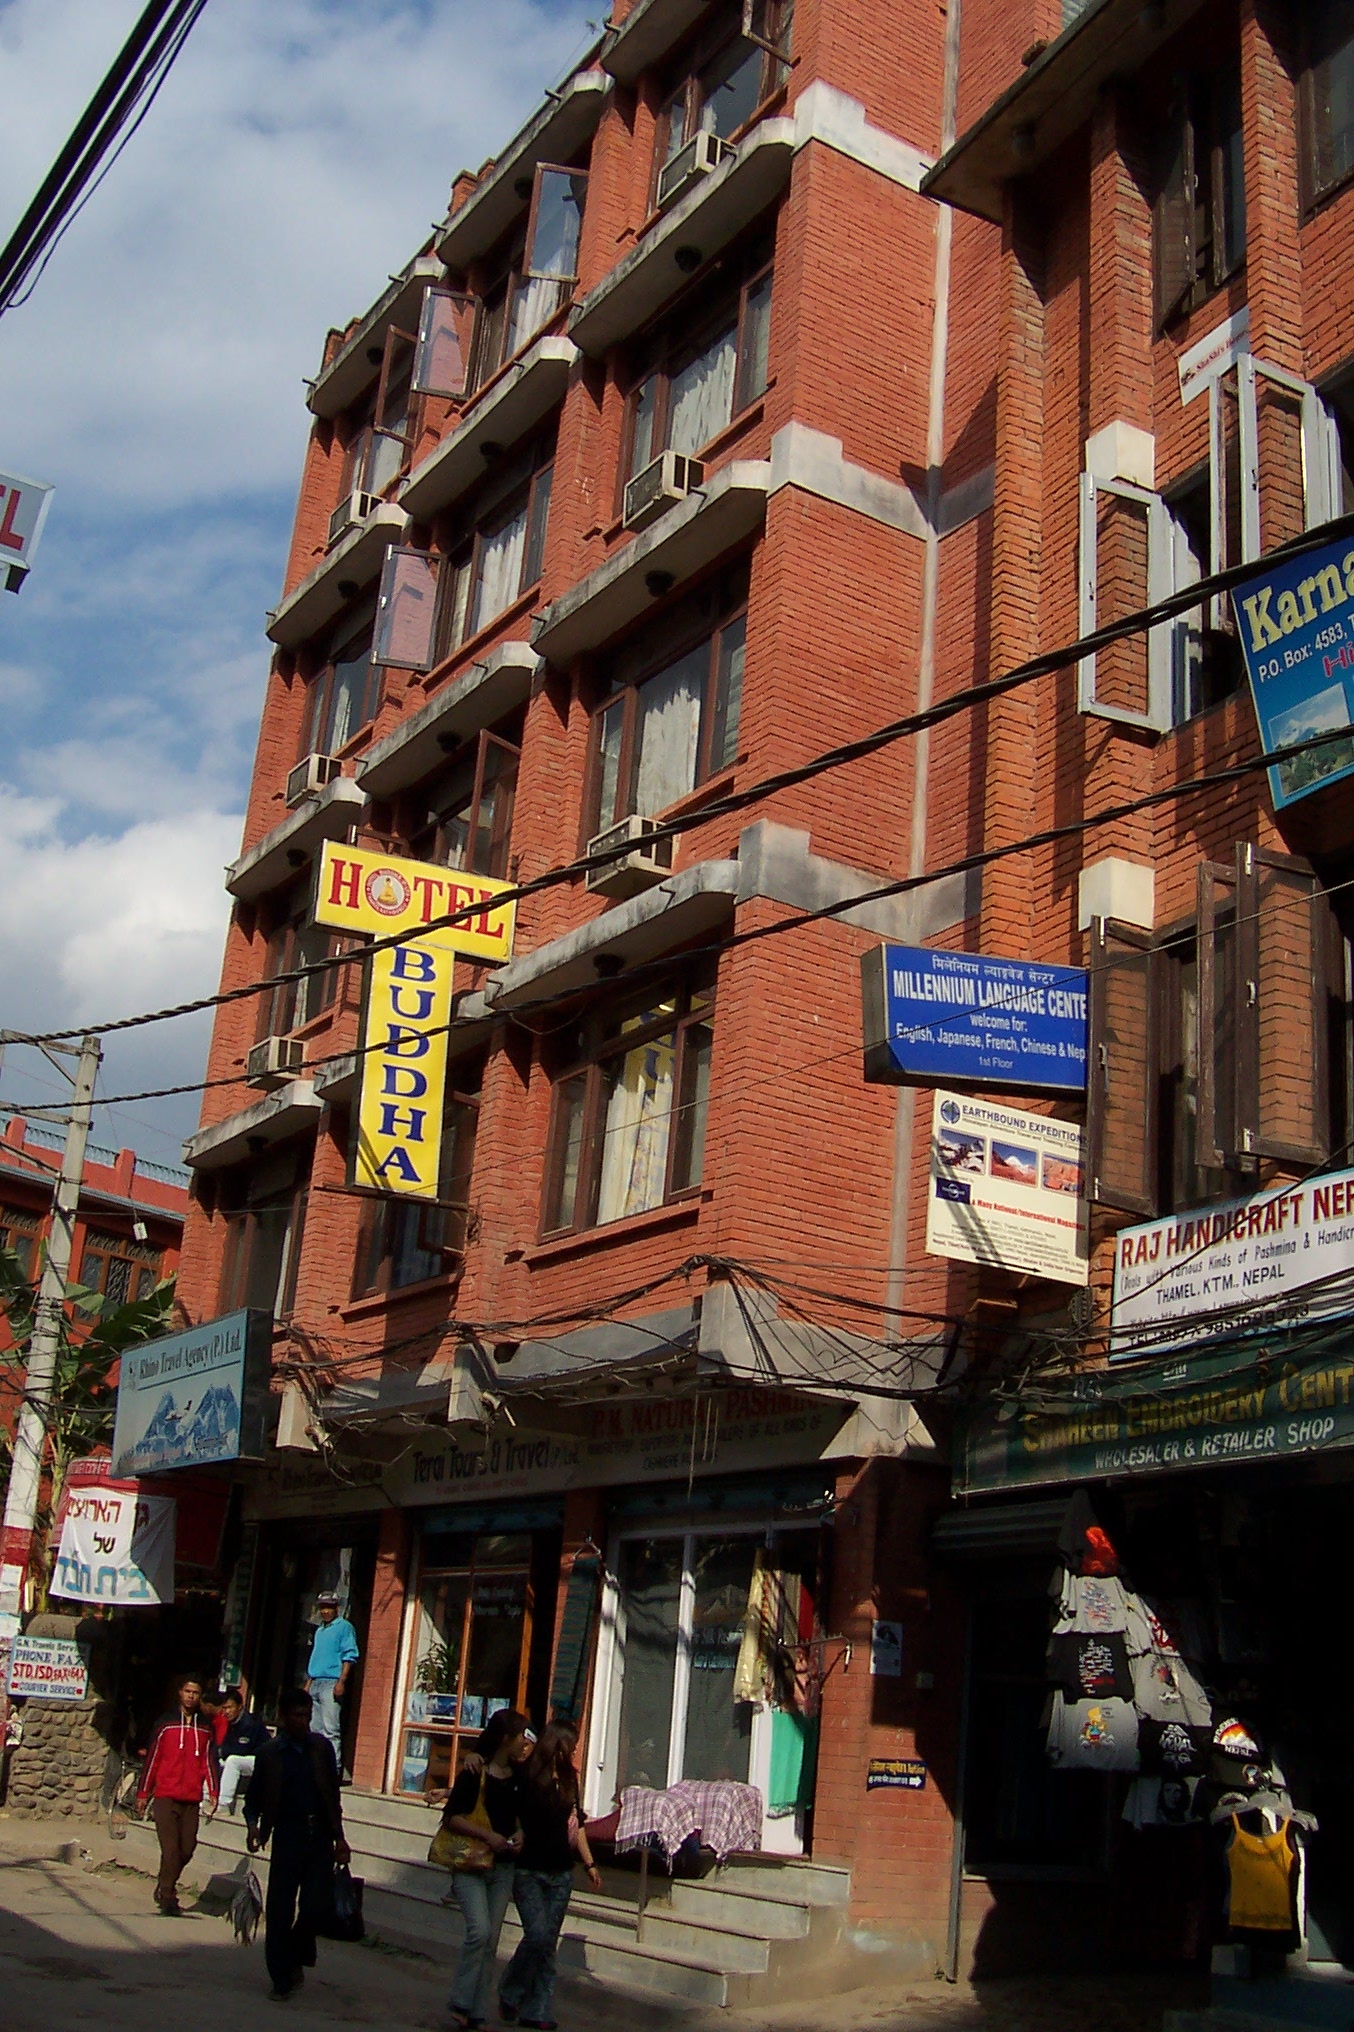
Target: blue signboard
(949,1018)
(192,1399)
(1296,623)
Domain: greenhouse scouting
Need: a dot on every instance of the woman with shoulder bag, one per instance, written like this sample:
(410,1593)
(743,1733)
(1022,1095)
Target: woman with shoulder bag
(552,1833)
(478,1842)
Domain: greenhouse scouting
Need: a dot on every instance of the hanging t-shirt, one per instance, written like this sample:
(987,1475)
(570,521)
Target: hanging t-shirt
(1174,1748)
(1093,1735)
(1160,1802)
(1092,1603)
(1090,1666)
(1165,1690)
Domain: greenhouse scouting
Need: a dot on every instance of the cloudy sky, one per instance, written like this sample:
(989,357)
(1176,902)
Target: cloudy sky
(298,153)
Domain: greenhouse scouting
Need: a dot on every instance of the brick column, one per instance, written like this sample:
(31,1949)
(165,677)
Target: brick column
(380,1667)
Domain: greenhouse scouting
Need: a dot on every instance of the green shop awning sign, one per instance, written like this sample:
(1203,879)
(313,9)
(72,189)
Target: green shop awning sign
(1212,1411)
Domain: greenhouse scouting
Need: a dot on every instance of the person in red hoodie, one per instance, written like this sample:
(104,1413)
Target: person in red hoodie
(180,1770)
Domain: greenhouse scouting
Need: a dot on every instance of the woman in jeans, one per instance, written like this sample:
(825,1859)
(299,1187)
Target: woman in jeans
(549,1812)
(483,1894)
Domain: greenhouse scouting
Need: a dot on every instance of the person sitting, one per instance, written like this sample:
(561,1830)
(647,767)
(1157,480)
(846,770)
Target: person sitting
(245,1735)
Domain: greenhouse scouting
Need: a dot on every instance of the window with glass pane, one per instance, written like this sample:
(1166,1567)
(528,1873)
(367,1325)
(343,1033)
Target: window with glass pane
(732,70)
(403,1242)
(1199,216)
(673,722)
(119,1269)
(651,1595)
(718,1730)
(466,814)
(1328,94)
(291,1004)
(628,1125)
(536,277)
(472,1637)
(21,1233)
(343,695)
(497,550)
(264,1210)
(710,365)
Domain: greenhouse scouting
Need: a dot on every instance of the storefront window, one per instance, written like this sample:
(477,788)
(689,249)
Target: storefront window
(472,1637)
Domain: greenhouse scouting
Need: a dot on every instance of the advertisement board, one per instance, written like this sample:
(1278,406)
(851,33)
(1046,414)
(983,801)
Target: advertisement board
(1007,1189)
(397,1124)
(1296,623)
(360,890)
(935,1017)
(1244,1263)
(116,1546)
(23,510)
(46,1668)
(192,1399)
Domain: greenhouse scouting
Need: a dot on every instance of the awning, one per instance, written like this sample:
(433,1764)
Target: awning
(323,594)
(646,35)
(1000,1531)
(480,695)
(291,1111)
(278,855)
(554,134)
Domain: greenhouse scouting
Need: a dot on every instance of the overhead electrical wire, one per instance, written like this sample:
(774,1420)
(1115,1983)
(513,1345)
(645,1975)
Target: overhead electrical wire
(121,103)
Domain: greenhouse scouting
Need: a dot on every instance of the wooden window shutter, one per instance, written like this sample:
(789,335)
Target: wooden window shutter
(1173,214)
(1284,944)
(1215,1016)
(1122,1075)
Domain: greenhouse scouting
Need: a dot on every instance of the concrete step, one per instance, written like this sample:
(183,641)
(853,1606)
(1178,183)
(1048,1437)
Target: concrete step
(803,1882)
(719,1900)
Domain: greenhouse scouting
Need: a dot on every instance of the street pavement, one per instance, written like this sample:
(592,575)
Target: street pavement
(81,1946)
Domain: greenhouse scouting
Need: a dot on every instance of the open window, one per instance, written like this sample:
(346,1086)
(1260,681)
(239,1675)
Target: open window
(1326,97)
(406,610)
(1199,214)
(1284,950)
(1127,561)
(1121,1086)
(1275,451)
(467,812)
(442,351)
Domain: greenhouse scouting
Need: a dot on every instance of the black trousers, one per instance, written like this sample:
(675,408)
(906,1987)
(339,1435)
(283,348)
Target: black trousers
(300,1893)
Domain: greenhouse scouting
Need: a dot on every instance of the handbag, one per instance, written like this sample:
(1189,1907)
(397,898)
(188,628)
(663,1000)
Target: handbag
(344,1919)
(451,1851)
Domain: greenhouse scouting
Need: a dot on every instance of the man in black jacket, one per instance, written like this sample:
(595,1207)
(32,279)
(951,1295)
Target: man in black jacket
(294,1797)
(245,1735)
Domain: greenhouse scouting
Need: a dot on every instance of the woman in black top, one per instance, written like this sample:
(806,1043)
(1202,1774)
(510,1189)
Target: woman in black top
(483,1894)
(552,1833)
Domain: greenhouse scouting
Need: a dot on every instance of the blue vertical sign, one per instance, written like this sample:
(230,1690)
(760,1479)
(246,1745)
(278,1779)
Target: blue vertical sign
(948,1018)
(1296,623)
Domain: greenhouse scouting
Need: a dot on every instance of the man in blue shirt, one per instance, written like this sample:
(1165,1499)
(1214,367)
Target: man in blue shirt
(333,1655)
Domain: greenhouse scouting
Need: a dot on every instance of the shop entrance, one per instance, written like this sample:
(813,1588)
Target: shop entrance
(303,1562)
(674,1698)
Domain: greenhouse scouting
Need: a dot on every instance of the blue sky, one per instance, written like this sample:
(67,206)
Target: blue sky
(298,153)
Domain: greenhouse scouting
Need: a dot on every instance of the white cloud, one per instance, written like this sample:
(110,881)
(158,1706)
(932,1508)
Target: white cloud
(299,151)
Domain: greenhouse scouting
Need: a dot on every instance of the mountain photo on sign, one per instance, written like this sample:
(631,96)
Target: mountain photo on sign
(205,1430)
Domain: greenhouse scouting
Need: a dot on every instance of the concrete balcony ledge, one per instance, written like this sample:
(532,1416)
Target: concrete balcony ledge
(354,561)
(289,1112)
(695,533)
(510,407)
(646,35)
(337,386)
(478,697)
(684,907)
(705,221)
(290,845)
(555,133)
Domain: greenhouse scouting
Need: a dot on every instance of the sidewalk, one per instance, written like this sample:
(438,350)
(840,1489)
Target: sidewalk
(80,1943)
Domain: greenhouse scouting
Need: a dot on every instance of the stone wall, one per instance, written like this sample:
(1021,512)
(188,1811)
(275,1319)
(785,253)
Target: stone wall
(59,1765)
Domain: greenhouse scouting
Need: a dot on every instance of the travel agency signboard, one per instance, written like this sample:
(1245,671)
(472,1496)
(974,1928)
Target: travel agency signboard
(193,1399)
(1296,623)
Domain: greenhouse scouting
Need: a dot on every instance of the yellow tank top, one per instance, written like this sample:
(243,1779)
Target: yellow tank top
(1261,1867)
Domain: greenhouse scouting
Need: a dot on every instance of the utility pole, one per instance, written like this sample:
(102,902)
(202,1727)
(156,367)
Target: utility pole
(30,1432)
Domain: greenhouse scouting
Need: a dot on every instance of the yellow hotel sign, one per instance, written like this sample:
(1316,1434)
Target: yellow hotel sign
(361,890)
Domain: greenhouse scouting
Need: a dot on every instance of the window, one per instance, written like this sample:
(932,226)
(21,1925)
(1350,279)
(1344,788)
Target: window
(21,1234)
(382,433)
(699,376)
(1212,1045)
(536,278)
(119,1270)
(1206,662)
(298,942)
(265,1214)
(468,821)
(342,697)
(402,1242)
(1328,95)
(1199,225)
(737,67)
(488,568)
(471,1649)
(671,720)
(628,1125)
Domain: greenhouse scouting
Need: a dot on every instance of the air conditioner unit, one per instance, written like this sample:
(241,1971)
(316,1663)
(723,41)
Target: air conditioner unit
(650,861)
(702,155)
(667,480)
(273,1061)
(354,508)
(309,778)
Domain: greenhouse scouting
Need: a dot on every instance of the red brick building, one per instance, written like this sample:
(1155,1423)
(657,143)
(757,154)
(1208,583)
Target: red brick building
(737,410)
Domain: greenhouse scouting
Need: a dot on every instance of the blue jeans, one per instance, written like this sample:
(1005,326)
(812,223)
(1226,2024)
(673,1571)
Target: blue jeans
(326,1717)
(528,1984)
(483,1897)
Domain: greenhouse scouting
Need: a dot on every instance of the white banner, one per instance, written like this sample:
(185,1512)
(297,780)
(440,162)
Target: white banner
(1007,1188)
(1246,1263)
(116,1547)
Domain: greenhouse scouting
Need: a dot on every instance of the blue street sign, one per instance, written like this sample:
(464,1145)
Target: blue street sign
(949,1018)
(1296,623)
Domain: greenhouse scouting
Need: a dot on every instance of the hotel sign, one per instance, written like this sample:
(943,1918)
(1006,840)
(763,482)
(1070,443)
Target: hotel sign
(360,890)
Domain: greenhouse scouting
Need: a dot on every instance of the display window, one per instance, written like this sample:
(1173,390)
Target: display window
(469,1650)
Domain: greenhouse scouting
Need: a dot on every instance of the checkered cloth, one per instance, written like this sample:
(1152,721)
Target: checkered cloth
(726,1816)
